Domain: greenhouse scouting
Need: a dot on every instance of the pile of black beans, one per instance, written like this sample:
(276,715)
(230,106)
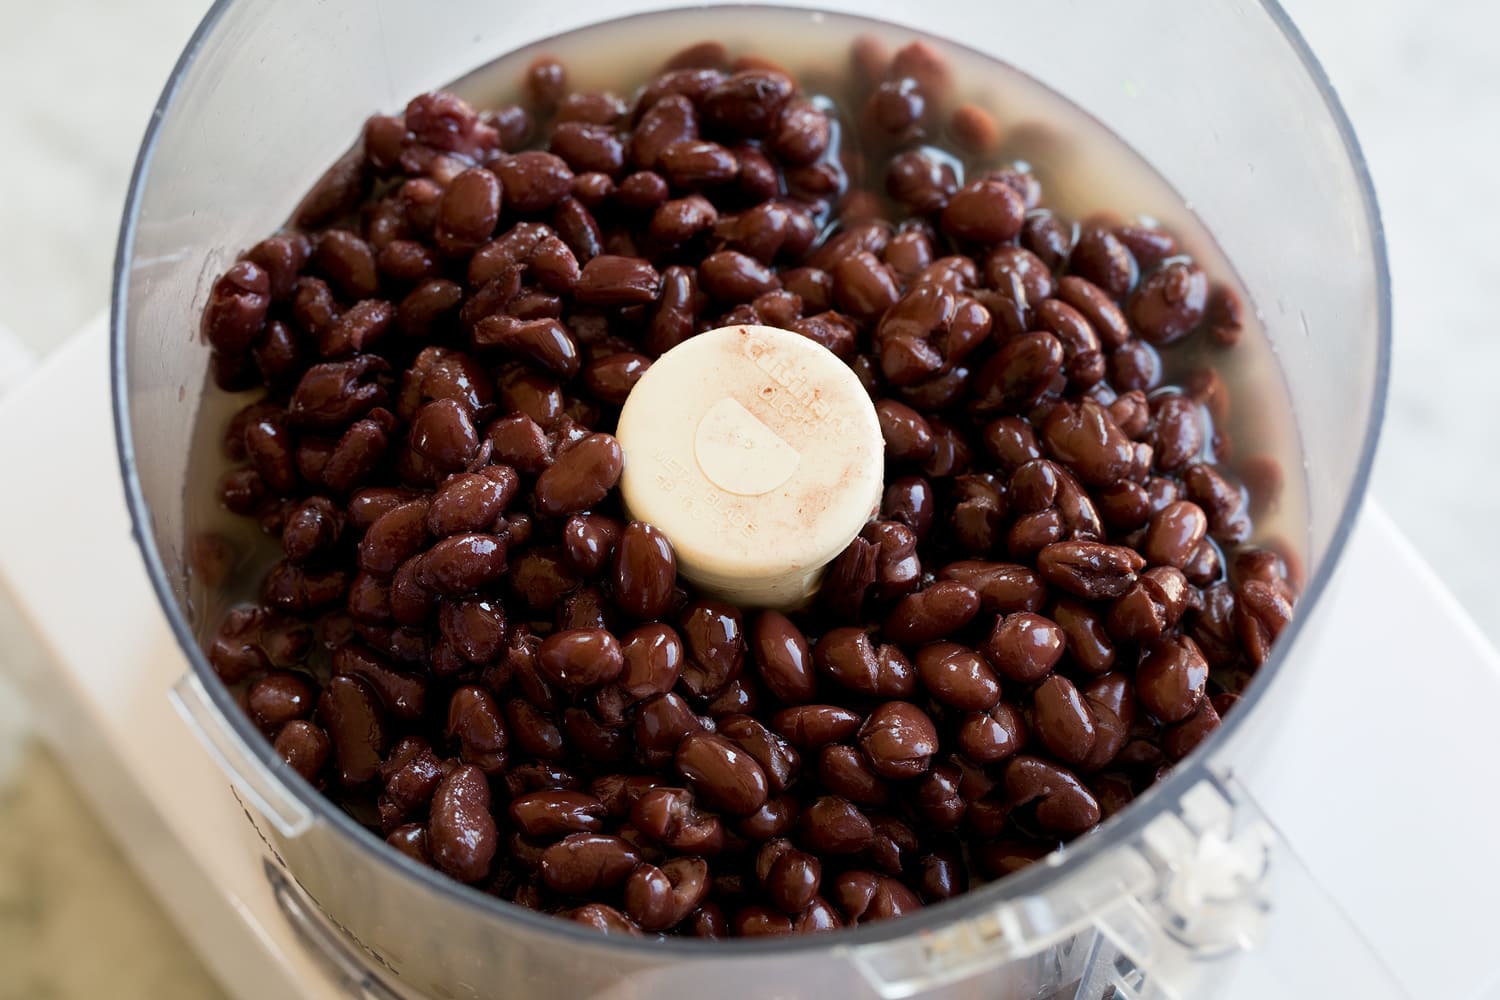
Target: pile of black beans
(469,646)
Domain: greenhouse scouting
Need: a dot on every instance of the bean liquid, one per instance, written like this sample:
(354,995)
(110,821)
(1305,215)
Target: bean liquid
(1086,171)
(1088,177)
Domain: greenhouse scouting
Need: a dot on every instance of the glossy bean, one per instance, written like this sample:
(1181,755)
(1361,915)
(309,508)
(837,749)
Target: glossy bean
(778,761)
(1062,720)
(1024,646)
(279,698)
(661,722)
(1170,304)
(899,739)
(783,658)
(616,280)
(1174,534)
(470,502)
(1171,679)
(463,563)
(1061,802)
(1091,570)
(350,712)
(848,657)
(983,211)
(462,835)
(864,896)
(714,634)
(723,773)
(832,825)
(957,676)
(992,736)
(927,615)
(305,747)
(583,863)
(671,817)
(581,476)
(579,659)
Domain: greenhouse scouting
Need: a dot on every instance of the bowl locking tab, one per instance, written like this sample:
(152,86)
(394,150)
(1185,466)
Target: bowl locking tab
(1145,921)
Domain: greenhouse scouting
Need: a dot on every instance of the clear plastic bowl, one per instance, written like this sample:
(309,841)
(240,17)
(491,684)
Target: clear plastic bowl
(1222,97)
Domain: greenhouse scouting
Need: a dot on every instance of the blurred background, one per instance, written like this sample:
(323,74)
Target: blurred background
(1420,84)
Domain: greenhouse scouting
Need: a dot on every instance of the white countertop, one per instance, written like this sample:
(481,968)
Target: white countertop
(1419,80)
(1420,83)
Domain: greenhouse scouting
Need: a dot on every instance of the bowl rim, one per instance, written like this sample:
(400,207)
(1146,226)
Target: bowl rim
(1028,882)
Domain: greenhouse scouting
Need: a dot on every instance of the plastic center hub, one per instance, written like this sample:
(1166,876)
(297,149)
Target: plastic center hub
(758,453)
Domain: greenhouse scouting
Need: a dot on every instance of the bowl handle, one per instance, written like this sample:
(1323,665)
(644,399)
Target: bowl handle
(264,788)
(1165,915)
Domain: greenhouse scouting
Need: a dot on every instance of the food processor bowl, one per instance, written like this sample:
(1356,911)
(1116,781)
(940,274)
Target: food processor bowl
(1222,97)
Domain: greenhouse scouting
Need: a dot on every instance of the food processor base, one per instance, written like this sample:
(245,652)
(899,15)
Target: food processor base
(1393,833)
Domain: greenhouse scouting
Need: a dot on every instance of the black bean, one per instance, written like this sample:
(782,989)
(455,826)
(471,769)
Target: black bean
(443,353)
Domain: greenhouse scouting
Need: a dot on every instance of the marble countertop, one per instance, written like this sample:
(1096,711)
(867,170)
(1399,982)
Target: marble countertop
(1423,91)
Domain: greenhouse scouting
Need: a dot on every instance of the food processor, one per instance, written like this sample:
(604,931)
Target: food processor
(1163,899)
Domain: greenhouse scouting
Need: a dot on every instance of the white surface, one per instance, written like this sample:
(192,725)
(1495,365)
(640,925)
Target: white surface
(106,714)
(16,362)
(80,78)
(72,919)
(16,359)
(1416,875)
(758,453)
(1420,82)
(1422,86)
(1370,776)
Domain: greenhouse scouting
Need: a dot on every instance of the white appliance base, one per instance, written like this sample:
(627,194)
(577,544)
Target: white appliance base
(1402,841)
